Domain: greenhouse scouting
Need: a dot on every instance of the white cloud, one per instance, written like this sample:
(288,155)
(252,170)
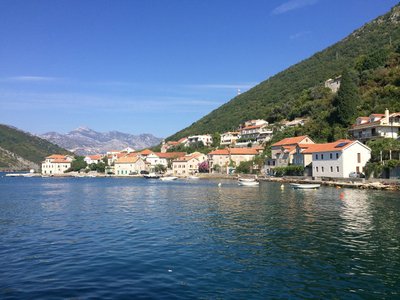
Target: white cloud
(299,35)
(31,78)
(292,5)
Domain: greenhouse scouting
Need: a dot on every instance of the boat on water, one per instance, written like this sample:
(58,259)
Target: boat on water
(193,177)
(248,183)
(241,179)
(168,178)
(305,186)
(151,176)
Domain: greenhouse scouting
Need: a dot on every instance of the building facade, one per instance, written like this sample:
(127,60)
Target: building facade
(56,164)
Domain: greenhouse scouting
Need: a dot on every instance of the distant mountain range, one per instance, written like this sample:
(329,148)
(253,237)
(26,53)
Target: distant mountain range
(84,141)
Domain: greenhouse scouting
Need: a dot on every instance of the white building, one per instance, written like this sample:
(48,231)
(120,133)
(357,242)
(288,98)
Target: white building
(338,159)
(93,159)
(206,139)
(188,164)
(229,138)
(129,165)
(254,132)
(282,152)
(231,156)
(377,126)
(56,164)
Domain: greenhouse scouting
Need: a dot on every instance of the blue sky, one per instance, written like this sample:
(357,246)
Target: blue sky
(153,66)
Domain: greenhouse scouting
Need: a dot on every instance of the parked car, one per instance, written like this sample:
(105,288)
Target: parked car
(356,175)
(144,172)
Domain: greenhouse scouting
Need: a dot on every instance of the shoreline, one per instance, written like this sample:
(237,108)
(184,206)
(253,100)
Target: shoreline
(374,184)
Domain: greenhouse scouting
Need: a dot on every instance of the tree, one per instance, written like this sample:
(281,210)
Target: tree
(159,168)
(216,140)
(346,101)
(204,167)
(77,164)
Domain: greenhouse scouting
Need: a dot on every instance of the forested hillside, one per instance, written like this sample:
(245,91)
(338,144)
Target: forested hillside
(370,54)
(17,146)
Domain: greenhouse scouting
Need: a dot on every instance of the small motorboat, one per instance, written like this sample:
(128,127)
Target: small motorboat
(151,176)
(193,177)
(248,183)
(305,186)
(168,178)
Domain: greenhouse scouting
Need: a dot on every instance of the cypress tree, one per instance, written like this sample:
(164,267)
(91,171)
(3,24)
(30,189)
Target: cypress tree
(346,101)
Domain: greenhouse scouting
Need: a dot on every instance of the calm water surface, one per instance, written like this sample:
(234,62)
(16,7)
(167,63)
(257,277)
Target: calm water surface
(131,238)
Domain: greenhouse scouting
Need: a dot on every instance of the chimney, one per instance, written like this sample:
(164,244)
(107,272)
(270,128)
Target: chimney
(386,116)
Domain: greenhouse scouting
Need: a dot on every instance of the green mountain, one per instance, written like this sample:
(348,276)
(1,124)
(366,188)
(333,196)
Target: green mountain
(20,150)
(373,51)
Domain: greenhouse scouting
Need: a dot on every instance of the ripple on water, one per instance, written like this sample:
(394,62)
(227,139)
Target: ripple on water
(132,238)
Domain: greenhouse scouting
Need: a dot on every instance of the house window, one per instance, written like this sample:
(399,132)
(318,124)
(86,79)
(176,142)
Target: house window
(331,169)
(316,156)
(337,169)
(316,168)
(322,169)
(337,155)
(322,156)
(330,155)
(359,157)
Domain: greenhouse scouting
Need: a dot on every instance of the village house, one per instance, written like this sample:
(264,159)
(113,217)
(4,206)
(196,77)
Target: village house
(129,165)
(229,138)
(56,164)
(93,159)
(188,164)
(254,132)
(282,152)
(376,126)
(206,139)
(164,159)
(338,159)
(229,158)
(171,144)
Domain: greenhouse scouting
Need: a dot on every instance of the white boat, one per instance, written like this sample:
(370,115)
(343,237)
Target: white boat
(247,179)
(249,183)
(151,176)
(193,177)
(168,178)
(305,186)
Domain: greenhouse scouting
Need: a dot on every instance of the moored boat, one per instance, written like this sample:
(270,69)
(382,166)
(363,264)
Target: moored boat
(305,186)
(168,178)
(248,183)
(151,176)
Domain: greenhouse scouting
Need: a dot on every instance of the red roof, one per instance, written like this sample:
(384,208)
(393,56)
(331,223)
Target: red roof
(56,156)
(235,151)
(335,146)
(170,154)
(95,157)
(252,127)
(291,141)
(145,152)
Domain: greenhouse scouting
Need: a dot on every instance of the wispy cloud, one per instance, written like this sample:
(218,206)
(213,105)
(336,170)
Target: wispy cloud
(299,35)
(31,78)
(292,5)
(222,86)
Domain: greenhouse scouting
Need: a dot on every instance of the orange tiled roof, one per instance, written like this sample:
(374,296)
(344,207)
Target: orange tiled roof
(335,146)
(95,157)
(145,152)
(188,157)
(60,161)
(235,151)
(290,141)
(253,127)
(56,156)
(127,159)
(170,154)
